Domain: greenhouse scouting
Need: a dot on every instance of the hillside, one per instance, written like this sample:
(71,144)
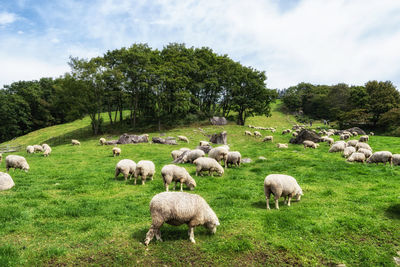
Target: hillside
(69,210)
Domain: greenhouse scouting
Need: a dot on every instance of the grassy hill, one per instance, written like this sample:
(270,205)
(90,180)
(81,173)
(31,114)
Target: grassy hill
(69,210)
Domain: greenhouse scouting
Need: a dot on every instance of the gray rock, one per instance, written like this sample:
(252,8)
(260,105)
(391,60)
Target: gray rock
(220,138)
(218,121)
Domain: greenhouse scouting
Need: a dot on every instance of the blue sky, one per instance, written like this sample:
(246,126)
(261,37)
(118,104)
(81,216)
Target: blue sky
(317,41)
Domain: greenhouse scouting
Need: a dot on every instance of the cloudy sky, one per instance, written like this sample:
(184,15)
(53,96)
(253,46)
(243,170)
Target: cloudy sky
(317,41)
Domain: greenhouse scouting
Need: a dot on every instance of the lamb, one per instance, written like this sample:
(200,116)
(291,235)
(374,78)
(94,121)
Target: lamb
(176,153)
(6,182)
(30,149)
(193,155)
(337,147)
(352,143)
(248,133)
(219,153)
(279,145)
(281,185)
(348,151)
(126,167)
(381,156)
(363,145)
(75,142)
(396,159)
(208,164)
(102,141)
(176,208)
(38,148)
(47,150)
(16,162)
(364,138)
(234,157)
(172,173)
(268,138)
(183,138)
(311,144)
(356,156)
(204,143)
(366,152)
(257,133)
(145,168)
(116,151)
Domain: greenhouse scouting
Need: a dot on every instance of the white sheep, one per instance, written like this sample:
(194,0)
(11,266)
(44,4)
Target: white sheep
(176,154)
(193,155)
(6,182)
(219,153)
(257,133)
(356,156)
(38,148)
(204,143)
(248,133)
(295,134)
(47,150)
(352,143)
(279,145)
(16,162)
(344,136)
(354,133)
(172,173)
(396,159)
(116,151)
(281,185)
(348,151)
(184,149)
(234,158)
(329,140)
(268,138)
(366,152)
(363,145)
(176,208)
(126,167)
(371,133)
(145,168)
(337,147)
(75,142)
(364,138)
(208,164)
(183,138)
(30,149)
(308,143)
(381,156)
(273,130)
(102,141)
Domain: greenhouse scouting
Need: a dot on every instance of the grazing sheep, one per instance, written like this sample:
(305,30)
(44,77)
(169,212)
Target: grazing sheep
(234,157)
(273,130)
(381,156)
(226,147)
(208,164)
(329,140)
(281,185)
(279,145)
(337,147)
(116,151)
(354,133)
(176,208)
(145,168)
(176,154)
(193,155)
(30,149)
(295,134)
(248,133)
(366,152)
(38,148)
(268,138)
(352,143)
(75,142)
(47,150)
(16,162)
(371,133)
(396,159)
(172,173)
(184,149)
(6,182)
(126,167)
(348,151)
(102,141)
(183,138)
(364,138)
(257,133)
(356,156)
(311,144)
(204,143)
(344,136)
(219,153)
(363,145)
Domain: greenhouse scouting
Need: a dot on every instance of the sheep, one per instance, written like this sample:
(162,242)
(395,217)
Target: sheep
(172,173)
(352,143)
(281,185)
(337,147)
(6,182)
(356,156)
(219,153)
(14,161)
(366,152)
(268,138)
(273,130)
(381,156)
(364,138)
(344,136)
(176,153)
(294,134)
(248,133)
(348,151)
(311,144)
(183,138)
(371,133)
(30,149)
(329,140)
(279,145)
(363,145)
(204,143)
(47,150)
(184,149)
(396,159)
(208,164)
(75,142)
(38,148)
(116,151)
(126,167)
(145,168)
(257,133)
(102,141)
(176,208)
(234,157)
(193,154)
(354,133)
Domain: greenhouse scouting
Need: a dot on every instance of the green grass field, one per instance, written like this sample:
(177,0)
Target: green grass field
(69,210)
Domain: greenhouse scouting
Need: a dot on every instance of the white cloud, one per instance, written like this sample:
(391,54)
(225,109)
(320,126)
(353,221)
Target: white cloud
(7,18)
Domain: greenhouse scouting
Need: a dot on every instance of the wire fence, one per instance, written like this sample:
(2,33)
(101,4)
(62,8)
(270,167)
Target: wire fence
(10,148)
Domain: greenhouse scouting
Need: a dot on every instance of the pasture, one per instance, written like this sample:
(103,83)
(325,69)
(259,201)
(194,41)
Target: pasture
(69,210)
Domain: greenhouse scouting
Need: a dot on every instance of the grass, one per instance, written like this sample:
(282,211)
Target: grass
(69,210)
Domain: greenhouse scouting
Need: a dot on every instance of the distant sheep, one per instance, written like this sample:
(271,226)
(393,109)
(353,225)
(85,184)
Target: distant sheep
(348,151)
(279,145)
(257,133)
(337,147)
(176,154)
(380,157)
(352,143)
(38,148)
(281,185)
(208,164)
(356,156)
(363,145)
(172,173)
(102,141)
(219,153)
(16,162)
(126,167)
(354,133)
(177,208)
(286,131)
(184,149)
(75,142)
(364,138)
(234,158)
(6,182)
(248,133)
(183,138)
(193,155)
(204,143)
(268,138)
(116,151)
(30,149)
(145,168)
(366,152)
(371,133)
(396,159)
(311,144)
(47,150)
(294,134)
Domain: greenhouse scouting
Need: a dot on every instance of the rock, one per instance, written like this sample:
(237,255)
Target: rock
(305,135)
(356,129)
(162,134)
(262,158)
(245,160)
(6,182)
(159,140)
(129,139)
(220,138)
(218,121)
(181,157)
(206,149)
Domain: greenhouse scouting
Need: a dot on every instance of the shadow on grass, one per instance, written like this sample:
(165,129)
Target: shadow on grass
(393,211)
(168,232)
(259,204)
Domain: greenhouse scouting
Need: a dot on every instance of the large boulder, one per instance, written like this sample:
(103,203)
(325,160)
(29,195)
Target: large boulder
(357,130)
(220,138)
(218,121)
(159,140)
(6,182)
(305,135)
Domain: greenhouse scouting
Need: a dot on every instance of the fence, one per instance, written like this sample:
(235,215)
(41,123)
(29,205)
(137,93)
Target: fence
(10,148)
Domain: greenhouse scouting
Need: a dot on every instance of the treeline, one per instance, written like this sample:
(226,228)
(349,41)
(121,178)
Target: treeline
(162,87)
(374,105)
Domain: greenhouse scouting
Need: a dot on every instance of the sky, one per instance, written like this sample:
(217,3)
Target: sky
(293,41)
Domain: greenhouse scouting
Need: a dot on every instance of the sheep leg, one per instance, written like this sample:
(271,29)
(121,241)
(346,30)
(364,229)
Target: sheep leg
(267,199)
(135,179)
(289,198)
(276,202)
(181,185)
(166,187)
(210,172)
(191,234)
(284,200)
(144,179)
(158,235)
(152,176)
